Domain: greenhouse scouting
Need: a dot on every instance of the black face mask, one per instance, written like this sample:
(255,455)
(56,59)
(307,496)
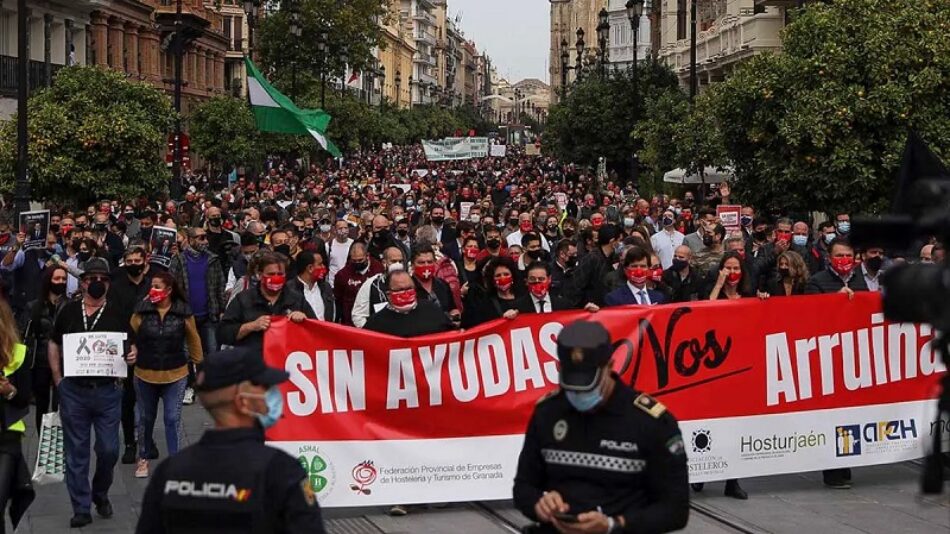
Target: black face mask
(134,270)
(83,256)
(282,249)
(493,243)
(215,222)
(534,254)
(874,263)
(784,272)
(381,235)
(97,289)
(402,232)
(708,240)
(359,265)
(758,236)
(512,222)
(568,232)
(57,289)
(54,228)
(571,262)
(437,220)
(146,234)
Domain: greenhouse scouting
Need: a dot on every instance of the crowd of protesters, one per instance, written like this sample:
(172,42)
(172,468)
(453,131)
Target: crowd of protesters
(385,241)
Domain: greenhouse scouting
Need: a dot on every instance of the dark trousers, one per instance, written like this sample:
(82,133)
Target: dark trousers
(128,409)
(832,476)
(83,409)
(47,399)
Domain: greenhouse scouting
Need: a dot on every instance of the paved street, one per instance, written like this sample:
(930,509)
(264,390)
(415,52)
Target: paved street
(884,500)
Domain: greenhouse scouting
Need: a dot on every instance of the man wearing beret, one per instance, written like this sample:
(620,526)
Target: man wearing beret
(599,457)
(230,481)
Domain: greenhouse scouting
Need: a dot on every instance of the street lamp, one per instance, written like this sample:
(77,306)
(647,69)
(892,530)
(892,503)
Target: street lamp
(250,9)
(634,12)
(603,36)
(22,191)
(398,86)
(411,98)
(322,49)
(565,59)
(579,45)
(382,84)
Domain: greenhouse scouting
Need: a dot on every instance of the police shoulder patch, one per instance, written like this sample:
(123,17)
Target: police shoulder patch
(650,405)
(308,494)
(548,395)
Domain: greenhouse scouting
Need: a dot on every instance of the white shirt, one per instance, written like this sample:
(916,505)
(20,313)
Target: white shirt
(339,253)
(314,298)
(546,301)
(361,311)
(642,295)
(514,238)
(873,282)
(664,244)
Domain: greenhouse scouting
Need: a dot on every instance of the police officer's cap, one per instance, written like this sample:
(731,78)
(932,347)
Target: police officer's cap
(233,366)
(583,348)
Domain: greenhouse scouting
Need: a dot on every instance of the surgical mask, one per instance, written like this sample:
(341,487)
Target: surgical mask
(799,240)
(844,227)
(475,218)
(629,222)
(829,238)
(275,408)
(324,228)
(585,401)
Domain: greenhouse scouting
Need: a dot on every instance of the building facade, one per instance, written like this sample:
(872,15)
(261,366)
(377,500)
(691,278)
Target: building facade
(396,55)
(728,32)
(621,45)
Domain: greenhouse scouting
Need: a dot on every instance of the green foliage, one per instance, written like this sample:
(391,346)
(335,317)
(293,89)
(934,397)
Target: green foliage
(597,115)
(92,134)
(223,131)
(822,125)
(350,27)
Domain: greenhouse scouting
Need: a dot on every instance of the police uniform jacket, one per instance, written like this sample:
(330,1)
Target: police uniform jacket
(230,482)
(626,457)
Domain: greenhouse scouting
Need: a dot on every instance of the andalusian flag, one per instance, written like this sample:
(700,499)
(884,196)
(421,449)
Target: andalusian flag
(276,113)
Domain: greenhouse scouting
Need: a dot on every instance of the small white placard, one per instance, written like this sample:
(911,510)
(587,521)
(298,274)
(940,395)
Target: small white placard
(94,354)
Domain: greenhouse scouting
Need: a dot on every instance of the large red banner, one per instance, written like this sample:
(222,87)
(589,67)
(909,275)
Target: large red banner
(786,385)
(702,359)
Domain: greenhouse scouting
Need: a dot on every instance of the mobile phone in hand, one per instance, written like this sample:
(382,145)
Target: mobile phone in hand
(566,518)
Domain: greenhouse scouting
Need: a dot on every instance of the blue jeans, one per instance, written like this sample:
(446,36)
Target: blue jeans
(82,408)
(208,332)
(147,396)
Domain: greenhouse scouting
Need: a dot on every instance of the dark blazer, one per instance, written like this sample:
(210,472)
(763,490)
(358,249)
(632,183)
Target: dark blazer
(326,293)
(623,296)
(525,304)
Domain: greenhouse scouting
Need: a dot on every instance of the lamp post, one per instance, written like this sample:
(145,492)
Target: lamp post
(692,51)
(382,84)
(565,59)
(22,192)
(603,36)
(322,49)
(411,98)
(398,81)
(579,45)
(179,48)
(296,31)
(634,12)
(250,9)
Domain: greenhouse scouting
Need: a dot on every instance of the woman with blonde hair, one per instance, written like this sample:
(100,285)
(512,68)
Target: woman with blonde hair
(15,390)
(789,278)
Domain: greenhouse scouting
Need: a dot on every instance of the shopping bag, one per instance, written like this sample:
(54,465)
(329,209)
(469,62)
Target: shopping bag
(50,456)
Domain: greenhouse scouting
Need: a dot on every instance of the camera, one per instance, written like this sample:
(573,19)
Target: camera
(918,293)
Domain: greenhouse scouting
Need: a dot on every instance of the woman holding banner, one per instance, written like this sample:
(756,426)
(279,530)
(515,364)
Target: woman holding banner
(502,289)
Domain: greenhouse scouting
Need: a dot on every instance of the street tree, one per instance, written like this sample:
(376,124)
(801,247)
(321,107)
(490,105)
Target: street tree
(823,125)
(92,134)
(224,132)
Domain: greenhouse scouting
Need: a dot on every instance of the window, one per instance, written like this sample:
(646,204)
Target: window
(681,19)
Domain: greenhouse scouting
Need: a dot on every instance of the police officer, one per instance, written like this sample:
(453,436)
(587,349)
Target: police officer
(230,482)
(598,456)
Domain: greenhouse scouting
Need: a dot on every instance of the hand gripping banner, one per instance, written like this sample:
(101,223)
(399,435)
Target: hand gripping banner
(785,385)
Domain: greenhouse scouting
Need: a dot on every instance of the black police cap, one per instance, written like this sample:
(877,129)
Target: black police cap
(583,348)
(233,366)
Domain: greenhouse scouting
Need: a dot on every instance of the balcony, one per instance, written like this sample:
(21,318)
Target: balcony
(426,38)
(37,74)
(424,59)
(424,16)
(427,79)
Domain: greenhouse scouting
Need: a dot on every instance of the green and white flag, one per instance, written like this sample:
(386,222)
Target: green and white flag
(276,113)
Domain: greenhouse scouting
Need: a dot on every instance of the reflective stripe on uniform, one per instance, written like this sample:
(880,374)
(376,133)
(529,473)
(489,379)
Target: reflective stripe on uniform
(19,356)
(593,461)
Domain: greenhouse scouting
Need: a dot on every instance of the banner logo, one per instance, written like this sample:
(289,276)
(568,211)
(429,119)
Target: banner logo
(320,473)
(364,474)
(560,430)
(848,440)
(779,446)
(702,441)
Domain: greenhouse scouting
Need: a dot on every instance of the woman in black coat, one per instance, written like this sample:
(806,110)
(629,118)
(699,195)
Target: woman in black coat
(41,313)
(498,297)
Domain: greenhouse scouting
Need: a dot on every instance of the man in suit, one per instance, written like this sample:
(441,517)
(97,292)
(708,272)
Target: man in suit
(539,298)
(636,268)
(444,234)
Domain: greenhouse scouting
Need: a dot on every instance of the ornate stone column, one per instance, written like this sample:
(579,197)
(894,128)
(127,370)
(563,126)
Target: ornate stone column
(100,40)
(133,61)
(117,44)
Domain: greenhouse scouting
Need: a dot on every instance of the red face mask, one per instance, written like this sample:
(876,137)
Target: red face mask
(157,295)
(424,272)
(471,253)
(733,278)
(657,274)
(741,253)
(515,257)
(539,289)
(319,273)
(504,283)
(637,275)
(596,223)
(842,266)
(274,283)
(526,226)
(65,229)
(402,300)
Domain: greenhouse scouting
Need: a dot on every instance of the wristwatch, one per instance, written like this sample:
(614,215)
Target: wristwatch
(612,525)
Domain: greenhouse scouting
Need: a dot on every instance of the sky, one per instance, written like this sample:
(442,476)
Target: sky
(515,33)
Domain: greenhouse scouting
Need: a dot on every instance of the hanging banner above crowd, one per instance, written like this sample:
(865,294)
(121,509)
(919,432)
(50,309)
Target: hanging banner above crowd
(781,386)
(454,148)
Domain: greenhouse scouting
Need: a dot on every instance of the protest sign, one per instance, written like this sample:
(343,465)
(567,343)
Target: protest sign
(464,209)
(94,354)
(441,418)
(729,215)
(455,148)
(499,151)
(163,239)
(35,224)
